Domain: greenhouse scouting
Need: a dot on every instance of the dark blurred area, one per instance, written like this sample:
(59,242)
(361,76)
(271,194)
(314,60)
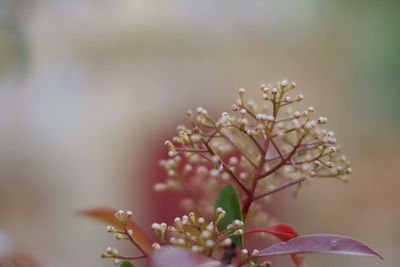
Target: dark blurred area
(90,89)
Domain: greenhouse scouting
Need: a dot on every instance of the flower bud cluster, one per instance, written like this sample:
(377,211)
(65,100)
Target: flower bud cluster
(121,233)
(197,233)
(247,255)
(269,139)
(254,141)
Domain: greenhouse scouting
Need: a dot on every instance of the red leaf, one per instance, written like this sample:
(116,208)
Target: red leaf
(179,257)
(282,231)
(320,243)
(298,260)
(106,215)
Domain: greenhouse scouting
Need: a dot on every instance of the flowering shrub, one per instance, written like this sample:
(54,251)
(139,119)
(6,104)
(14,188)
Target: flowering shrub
(227,168)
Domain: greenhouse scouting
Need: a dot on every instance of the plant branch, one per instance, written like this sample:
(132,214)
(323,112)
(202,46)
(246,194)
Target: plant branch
(235,146)
(284,160)
(133,241)
(226,169)
(279,188)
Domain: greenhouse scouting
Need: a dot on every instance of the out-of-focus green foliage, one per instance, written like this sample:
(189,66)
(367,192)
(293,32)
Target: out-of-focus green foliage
(228,199)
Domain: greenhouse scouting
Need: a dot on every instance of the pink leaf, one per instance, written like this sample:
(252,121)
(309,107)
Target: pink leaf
(282,231)
(285,232)
(179,257)
(320,243)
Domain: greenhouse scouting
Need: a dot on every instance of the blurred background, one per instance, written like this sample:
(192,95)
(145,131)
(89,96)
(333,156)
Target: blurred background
(89,91)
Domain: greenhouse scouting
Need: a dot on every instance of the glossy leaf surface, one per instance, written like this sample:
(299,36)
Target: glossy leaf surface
(320,243)
(282,231)
(228,199)
(126,264)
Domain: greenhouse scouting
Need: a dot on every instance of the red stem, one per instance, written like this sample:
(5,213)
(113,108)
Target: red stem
(134,242)
(229,171)
(283,162)
(279,188)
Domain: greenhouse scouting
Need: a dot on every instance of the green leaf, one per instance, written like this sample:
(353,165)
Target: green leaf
(228,199)
(126,264)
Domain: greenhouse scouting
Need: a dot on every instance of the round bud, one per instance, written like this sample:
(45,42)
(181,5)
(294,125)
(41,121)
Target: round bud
(156,246)
(210,243)
(227,242)
(156,226)
(284,83)
(159,187)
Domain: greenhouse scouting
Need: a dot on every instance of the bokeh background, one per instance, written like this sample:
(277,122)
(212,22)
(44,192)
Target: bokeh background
(89,90)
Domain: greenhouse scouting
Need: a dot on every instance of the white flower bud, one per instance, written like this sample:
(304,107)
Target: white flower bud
(284,83)
(156,246)
(156,226)
(210,243)
(111,229)
(205,234)
(298,98)
(227,242)
(322,120)
(197,248)
(159,187)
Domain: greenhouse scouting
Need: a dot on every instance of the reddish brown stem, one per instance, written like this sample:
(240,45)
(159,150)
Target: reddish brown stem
(131,258)
(283,162)
(134,242)
(229,171)
(279,188)
(237,148)
(249,199)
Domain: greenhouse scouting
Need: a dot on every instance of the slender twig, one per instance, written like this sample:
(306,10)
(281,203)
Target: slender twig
(300,149)
(186,149)
(279,188)
(251,137)
(292,162)
(235,146)
(133,241)
(248,111)
(283,162)
(226,169)
(130,258)
(276,147)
